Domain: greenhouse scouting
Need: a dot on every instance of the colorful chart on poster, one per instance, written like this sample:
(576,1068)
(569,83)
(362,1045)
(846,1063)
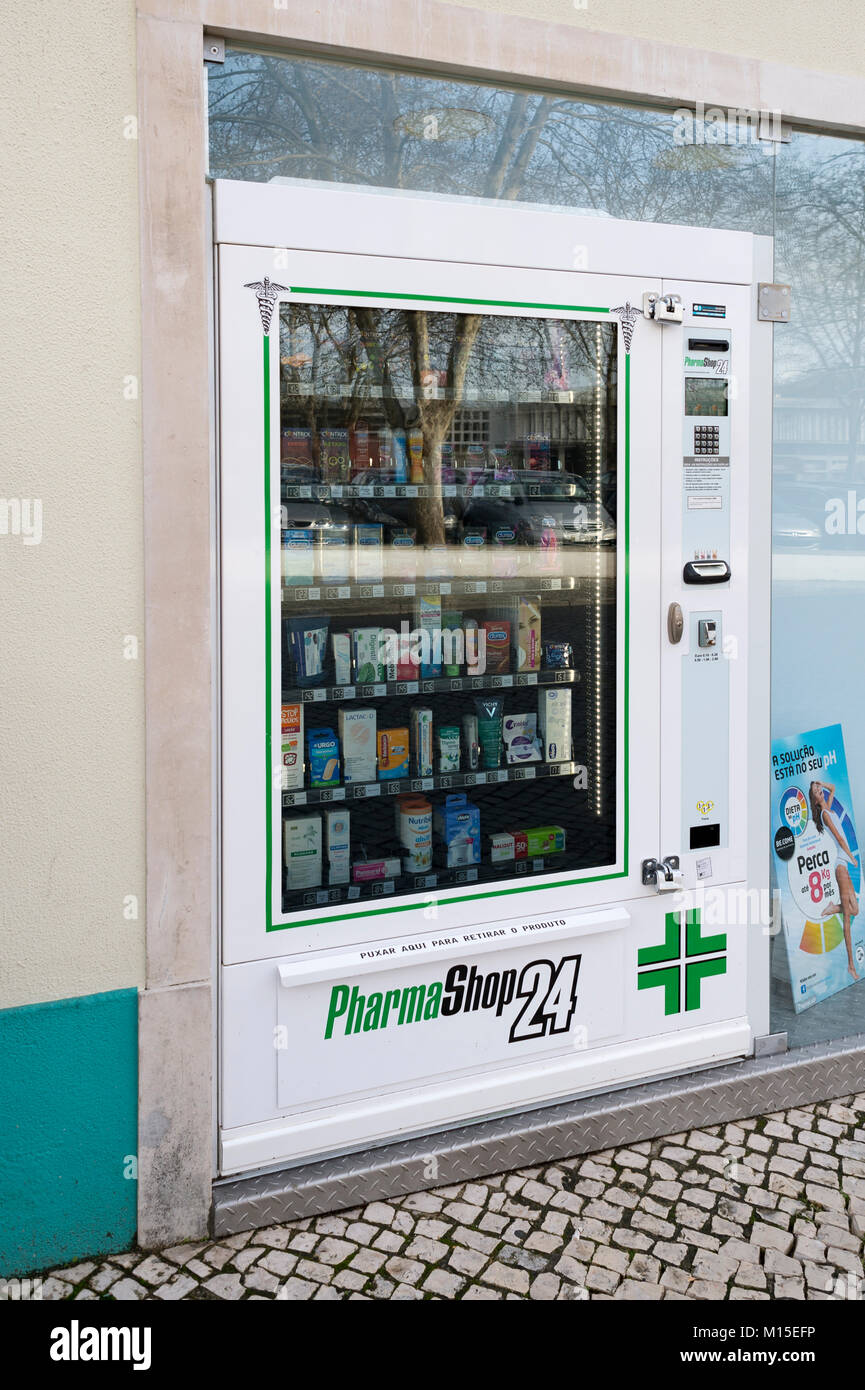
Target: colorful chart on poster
(817,863)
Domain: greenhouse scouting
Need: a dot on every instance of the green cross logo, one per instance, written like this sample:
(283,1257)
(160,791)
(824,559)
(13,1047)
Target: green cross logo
(665,966)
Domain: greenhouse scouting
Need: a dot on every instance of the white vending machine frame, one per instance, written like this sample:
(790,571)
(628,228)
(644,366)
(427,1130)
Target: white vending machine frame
(296,1080)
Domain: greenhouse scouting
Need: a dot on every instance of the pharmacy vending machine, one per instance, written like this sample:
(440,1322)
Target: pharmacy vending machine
(494,572)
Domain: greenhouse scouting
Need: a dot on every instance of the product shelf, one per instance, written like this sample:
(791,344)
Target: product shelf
(441,782)
(444,685)
(345,492)
(434,879)
(334,593)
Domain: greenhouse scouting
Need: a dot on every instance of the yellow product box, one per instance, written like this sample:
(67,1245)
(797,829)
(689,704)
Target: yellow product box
(393,752)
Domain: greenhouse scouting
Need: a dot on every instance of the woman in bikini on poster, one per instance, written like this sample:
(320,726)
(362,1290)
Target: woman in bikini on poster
(821,795)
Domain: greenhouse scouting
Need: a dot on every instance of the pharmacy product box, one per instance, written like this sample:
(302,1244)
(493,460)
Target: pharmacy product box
(554,718)
(337,843)
(528,635)
(292,747)
(428,618)
(422,741)
(298,556)
(368,655)
(458,826)
(368,554)
(373,870)
(357,737)
(302,837)
(393,747)
(341,642)
(334,555)
(334,457)
(322,751)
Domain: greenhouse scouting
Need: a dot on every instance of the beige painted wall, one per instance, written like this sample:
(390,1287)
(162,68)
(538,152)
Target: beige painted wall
(71,746)
(828,37)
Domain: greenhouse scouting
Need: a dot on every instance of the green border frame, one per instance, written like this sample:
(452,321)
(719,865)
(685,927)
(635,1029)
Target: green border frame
(534,886)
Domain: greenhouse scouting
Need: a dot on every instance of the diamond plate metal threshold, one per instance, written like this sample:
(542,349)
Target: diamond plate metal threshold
(527,1139)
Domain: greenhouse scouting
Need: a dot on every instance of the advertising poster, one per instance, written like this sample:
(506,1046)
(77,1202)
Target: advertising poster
(817,864)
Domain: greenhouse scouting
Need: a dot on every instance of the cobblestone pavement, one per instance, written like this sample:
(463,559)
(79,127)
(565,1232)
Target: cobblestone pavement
(766,1208)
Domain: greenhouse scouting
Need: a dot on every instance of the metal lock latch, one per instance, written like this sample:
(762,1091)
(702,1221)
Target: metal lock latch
(662,874)
(663,308)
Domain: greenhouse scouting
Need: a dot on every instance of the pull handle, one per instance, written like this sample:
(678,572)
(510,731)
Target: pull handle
(706,572)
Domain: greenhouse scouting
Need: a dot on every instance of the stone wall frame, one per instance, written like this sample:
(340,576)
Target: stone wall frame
(177,1005)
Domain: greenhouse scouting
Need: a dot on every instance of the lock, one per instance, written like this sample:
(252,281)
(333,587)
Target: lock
(662,874)
(663,308)
(707,633)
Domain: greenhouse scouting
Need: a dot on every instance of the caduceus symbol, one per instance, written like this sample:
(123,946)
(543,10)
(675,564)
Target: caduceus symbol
(266,292)
(628,316)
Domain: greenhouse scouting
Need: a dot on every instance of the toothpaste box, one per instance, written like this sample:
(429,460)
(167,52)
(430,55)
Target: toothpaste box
(554,715)
(428,618)
(341,642)
(392,754)
(368,554)
(302,851)
(337,842)
(292,747)
(334,555)
(298,556)
(368,656)
(458,826)
(371,870)
(422,741)
(357,737)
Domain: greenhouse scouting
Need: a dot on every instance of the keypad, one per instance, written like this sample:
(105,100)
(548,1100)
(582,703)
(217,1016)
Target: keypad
(707,439)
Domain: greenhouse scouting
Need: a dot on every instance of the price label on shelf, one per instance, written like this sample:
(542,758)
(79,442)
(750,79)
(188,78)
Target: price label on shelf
(428,687)
(392,787)
(298,799)
(547,584)
(531,680)
(339,793)
(376,691)
(501,776)
(537,865)
(480,779)
(445,783)
(449,490)
(343,591)
(423,784)
(502,681)
(456,684)
(444,588)
(353,892)
(321,897)
(471,876)
(325,795)
(365,491)
(389,886)
(305,491)
(411,491)
(407,688)
(403,590)
(318,695)
(378,591)
(336,490)
(523,774)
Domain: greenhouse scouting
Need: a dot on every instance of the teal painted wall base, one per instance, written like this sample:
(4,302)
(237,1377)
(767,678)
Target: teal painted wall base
(68,1130)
